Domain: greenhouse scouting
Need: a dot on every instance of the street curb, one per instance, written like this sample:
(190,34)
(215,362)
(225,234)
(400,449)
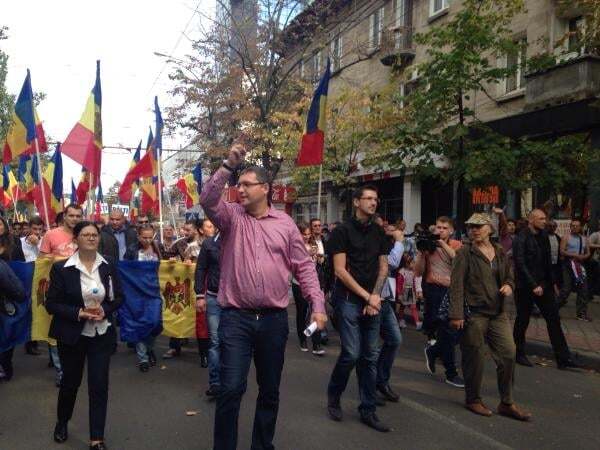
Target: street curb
(590,360)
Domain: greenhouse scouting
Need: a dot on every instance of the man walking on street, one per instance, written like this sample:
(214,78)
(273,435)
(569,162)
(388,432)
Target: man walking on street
(206,286)
(360,250)
(575,251)
(261,250)
(390,329)
(435,267)
(535,284)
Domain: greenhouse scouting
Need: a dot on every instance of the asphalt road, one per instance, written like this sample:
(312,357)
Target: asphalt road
(148,411)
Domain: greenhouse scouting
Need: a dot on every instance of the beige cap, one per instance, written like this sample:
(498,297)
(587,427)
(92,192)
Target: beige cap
(479,219)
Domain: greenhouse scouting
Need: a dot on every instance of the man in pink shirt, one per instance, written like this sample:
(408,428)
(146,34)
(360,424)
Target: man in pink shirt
(261,249)
(58,242)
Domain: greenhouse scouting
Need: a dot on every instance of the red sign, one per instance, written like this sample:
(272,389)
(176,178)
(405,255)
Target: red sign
(281,194)
(486,196)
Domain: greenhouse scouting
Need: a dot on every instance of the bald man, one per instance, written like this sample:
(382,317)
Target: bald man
(116,236)
(536,283)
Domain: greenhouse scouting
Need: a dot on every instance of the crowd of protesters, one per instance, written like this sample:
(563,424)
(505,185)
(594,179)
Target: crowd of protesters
(373,277)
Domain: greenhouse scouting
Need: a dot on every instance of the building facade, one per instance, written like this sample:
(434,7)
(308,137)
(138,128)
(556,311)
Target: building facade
(364,39)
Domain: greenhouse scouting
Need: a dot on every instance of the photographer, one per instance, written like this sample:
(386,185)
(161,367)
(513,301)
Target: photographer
(434,264)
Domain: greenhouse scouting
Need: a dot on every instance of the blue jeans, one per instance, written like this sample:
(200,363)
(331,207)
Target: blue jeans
(143,348)
(213,315)
(53,351)
(359,335)
(446,337)
(242,336)
(392,338)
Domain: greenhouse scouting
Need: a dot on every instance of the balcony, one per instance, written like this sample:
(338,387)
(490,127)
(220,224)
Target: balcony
(567,82)
(397,46)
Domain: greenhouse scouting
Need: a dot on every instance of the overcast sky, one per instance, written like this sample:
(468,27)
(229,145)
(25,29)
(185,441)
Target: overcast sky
(60,41)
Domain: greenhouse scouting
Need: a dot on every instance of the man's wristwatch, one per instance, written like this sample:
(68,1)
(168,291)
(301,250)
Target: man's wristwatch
(227,166)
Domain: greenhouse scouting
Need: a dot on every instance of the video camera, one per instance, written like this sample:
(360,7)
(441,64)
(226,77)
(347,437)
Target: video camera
(427,242)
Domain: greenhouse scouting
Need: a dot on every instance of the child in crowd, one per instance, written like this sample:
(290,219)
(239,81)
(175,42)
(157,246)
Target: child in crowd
(408,289)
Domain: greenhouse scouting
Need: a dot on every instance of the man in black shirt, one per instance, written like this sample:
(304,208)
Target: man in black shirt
(536,284)
(359,249)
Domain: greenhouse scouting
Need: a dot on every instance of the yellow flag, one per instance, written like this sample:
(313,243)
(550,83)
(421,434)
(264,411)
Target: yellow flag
(40,319)
(178,305)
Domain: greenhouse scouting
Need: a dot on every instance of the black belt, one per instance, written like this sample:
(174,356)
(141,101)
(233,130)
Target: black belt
(257,311)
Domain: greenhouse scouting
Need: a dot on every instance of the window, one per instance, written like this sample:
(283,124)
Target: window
(335,51)
(400,31)
(516,61)
(576,30)
(376,28)
(437,6)
(316,66)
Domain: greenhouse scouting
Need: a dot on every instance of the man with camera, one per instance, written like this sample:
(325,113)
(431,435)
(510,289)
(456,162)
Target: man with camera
(434,264)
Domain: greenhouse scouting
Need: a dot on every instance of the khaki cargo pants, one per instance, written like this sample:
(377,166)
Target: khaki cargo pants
(497,334)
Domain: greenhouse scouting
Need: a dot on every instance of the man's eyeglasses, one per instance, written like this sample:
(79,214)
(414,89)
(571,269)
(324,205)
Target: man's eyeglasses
(247,184)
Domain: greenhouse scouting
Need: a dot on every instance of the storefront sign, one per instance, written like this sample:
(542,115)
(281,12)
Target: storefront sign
(486,196)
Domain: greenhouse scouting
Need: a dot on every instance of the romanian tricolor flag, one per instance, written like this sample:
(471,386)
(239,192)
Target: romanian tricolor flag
(130,184)
(83,187)
(25,177)
(8,187)
(191,186)
(84,143)
(26,126)
(52,184)
(313,139)
(73,193)
(143,168)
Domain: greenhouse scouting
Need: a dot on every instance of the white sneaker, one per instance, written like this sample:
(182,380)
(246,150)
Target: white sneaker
(402,323)
(419,325)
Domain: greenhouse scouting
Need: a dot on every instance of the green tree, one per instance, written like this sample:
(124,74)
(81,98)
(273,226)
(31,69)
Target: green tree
(442,135)
(6,100)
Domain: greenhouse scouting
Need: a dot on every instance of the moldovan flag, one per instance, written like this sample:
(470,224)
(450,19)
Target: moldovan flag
(31,321)
(191,186)
(25,177)
(159,297)
(313,139)
(26,126)
(52,187)
(130,183)
(84,142)
(145,167)
(9,187)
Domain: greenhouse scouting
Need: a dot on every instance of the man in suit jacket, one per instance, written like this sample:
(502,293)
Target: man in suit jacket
(117,236)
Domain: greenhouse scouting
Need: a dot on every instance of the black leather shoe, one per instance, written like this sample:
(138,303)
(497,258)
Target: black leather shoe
(334,409)
(372,421)
(523,360)
(567,364)
(61,433)
(99,446)
(387,392)
(144,367)
(212,391)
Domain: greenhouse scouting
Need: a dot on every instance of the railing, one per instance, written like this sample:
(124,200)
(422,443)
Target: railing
(397,46)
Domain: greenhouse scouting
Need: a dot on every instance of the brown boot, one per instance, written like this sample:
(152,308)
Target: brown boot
(514,412)
(479,408)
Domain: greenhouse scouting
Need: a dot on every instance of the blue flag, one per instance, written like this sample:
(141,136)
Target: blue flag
(15,330)
(141,312)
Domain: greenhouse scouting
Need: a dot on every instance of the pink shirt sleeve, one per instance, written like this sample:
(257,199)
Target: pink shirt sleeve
(45,246)
(211,199)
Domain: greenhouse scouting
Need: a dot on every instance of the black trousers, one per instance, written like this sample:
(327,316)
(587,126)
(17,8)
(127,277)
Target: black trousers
(524,300)
(302,308)
(6,363)
(98,351)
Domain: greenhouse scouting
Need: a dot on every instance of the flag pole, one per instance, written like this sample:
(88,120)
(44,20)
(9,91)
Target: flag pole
(15,200)
(319,192)
(41,180)
(159,188)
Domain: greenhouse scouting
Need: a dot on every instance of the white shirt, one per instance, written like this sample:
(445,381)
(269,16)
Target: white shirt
(320,247)
(92,291)
(30,251)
